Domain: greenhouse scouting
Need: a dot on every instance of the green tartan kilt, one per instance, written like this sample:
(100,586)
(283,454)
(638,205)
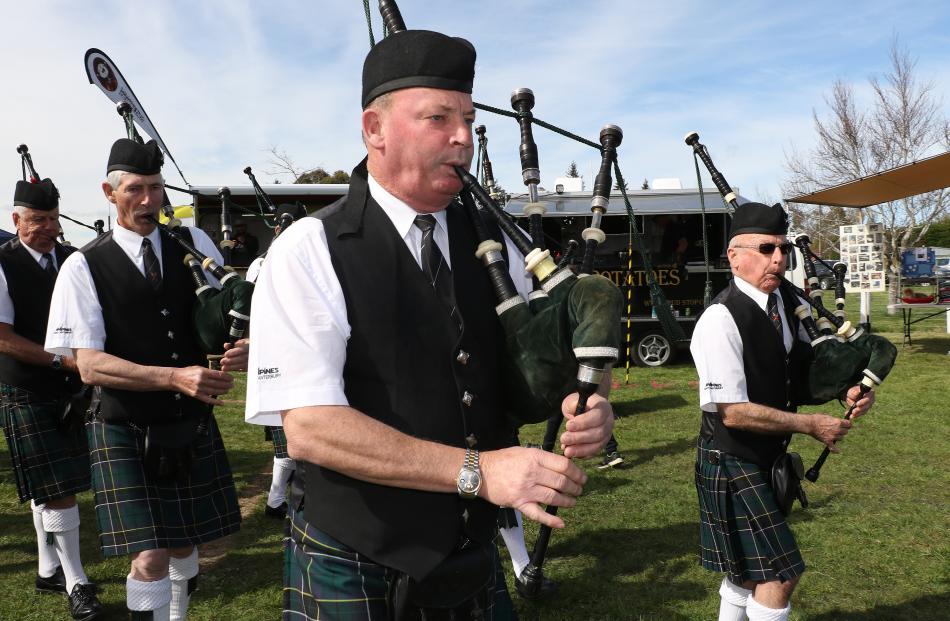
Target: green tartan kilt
(326,580)
(279,438)
(48,464)
(136,514)
(742,532)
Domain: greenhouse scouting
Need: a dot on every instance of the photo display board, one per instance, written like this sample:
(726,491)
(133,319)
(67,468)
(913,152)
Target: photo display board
(862,248)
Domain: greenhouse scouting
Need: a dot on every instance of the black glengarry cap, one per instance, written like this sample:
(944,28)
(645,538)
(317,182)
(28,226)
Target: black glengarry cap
(418,58)
(42,196)
(759,218)
(130,156)
(294,210)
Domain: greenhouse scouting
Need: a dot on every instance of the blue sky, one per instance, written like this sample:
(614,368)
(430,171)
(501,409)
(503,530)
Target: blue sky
(223,81)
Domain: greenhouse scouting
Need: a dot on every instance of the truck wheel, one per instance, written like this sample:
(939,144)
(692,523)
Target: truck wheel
(652,349)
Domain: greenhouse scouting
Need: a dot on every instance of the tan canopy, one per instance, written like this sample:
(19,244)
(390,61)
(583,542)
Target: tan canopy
(908,180)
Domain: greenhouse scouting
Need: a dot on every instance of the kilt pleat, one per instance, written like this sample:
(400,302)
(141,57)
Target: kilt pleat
(325,580)
(48,463)
(280,442)
(135,513)
(742,532)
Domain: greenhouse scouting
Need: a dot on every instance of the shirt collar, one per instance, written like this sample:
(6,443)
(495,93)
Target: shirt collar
(757,296)
(38,256)
(131,242)
(402,215)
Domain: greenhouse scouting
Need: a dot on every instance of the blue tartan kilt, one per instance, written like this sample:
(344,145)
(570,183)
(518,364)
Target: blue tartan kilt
(742,532)
(135,513)
(48,463)
(327,581)
(279,438)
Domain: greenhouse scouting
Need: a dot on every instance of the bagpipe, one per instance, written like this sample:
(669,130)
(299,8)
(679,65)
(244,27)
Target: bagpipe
(844,356)
(220,315)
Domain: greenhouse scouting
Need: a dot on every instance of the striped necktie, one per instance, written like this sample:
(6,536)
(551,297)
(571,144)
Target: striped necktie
(153,272)
(434,265)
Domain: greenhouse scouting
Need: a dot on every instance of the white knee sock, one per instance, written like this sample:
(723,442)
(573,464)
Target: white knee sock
(283,468)
(758,612)
(64,524)
(514,541)
(732,606)
(155,596)
(181,571)
(47,558)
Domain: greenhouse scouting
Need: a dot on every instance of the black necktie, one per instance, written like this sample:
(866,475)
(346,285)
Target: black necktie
(153,272)
(434,265)
(50,268)
(772,310)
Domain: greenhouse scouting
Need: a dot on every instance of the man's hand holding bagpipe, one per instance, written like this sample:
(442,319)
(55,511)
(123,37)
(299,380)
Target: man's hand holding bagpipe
(201,383)
(831,429)
(235,355)
(586,433)
(864,402)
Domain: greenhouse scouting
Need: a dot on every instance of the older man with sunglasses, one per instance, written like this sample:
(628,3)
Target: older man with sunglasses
(748,347)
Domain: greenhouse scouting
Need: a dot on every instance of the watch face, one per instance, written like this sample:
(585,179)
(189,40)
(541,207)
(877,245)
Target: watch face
(469,480)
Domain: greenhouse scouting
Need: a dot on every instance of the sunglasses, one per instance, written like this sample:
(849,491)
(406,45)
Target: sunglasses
(769,248)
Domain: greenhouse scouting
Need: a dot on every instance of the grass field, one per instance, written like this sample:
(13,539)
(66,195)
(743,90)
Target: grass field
(876,538)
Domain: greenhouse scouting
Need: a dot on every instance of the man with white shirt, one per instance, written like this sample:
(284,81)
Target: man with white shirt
(161,476)
(749,349)
(376,341)
(50,456)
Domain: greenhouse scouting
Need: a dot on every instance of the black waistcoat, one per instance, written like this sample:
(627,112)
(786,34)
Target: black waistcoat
(31,289)
(145,327)
(402,368)
(769,374)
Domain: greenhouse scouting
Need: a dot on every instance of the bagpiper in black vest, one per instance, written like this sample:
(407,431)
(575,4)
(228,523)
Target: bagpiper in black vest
(31,289)
(770,375)
(408,366)
(146,327)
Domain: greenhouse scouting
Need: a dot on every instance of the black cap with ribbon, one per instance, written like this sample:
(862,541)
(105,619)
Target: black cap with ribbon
(759,218)
(130,156)
(414,58)
(42,195)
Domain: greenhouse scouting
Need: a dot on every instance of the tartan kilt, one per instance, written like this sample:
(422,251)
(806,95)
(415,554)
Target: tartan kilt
(325,580)
(279,438)
(742,532)
(48,464)
(136,514)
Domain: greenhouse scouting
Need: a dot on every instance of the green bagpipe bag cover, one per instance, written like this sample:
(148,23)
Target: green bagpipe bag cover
(211,319)
(837,366)
(541,367)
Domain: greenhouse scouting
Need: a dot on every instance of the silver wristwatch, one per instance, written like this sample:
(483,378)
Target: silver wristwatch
(57,362)
(470,477)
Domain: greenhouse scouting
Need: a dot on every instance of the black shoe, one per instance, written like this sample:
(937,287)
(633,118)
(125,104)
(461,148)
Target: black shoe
(54,584)
(611,460)
(547,587)
(83,603)
(276,512)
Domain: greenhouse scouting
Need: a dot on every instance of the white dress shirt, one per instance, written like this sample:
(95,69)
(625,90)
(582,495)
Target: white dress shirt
(75,317)
(716,347)
(300,329)
(6,302)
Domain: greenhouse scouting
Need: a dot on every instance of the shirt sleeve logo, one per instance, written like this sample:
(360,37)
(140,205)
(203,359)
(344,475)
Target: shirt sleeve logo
(712,386)
(63,330)
(267,373)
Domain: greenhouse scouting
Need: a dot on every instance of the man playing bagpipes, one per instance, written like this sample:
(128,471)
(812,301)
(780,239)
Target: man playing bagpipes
(47,443)
(284,466)
(751,354)
(376,342)
(123,304)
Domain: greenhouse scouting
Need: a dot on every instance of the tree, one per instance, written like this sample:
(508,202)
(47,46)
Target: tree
(572,170)
(903,123)
(626,186)
(283,164)
(938,234)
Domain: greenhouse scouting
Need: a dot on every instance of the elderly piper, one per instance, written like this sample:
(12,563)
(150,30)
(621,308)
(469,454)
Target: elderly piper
(376,341)
(50,455)
(749,351)
(123,305)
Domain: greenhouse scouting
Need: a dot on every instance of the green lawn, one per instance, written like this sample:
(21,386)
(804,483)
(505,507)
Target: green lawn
(876,538)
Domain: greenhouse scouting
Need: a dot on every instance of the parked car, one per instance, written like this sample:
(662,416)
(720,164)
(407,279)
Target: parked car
(826,277)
